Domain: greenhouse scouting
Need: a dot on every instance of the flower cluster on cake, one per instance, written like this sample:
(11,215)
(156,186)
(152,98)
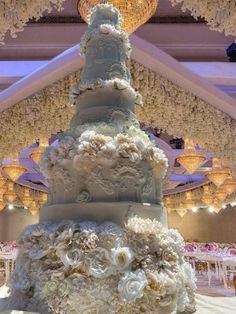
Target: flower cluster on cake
(102,244)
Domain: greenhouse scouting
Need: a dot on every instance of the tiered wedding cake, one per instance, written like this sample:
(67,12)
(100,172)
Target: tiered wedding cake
(102,245)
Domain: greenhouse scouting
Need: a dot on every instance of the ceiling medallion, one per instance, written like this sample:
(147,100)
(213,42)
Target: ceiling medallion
(218,174)
(134,13)
(190,159)
(14,169)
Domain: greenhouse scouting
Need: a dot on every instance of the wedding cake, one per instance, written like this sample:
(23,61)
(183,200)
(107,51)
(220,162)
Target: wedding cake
(102,244)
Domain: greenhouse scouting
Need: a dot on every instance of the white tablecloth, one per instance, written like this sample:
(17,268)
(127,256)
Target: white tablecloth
(215,305)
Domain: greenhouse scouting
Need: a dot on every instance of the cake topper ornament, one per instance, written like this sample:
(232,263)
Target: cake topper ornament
(134,12)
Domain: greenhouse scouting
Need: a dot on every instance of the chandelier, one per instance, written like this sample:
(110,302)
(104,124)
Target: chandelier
(2,191)
(10,194)
(14,169)
(26,199)
(217,206)
(182,212)
(190,159)
(2,204)
(229,186)
(220,195)
(207,197)
(43,198)
(2,180)
(134,12)
(169,205)
(218,174)
(188,203)
(34,208)
(37,153)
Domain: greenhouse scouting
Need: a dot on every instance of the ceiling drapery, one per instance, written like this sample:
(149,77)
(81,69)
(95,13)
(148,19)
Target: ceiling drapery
(15,14)
(219,14)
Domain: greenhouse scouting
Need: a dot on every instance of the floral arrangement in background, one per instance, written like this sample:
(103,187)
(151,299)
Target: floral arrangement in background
(166,106)
(84,267)
(15,14)
(219,14)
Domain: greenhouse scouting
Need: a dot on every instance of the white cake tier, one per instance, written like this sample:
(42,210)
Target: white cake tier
(103,211)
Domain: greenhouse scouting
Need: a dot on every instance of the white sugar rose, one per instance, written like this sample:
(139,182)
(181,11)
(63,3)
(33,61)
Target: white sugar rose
(122,258)
(131,286)
(70,257)
(99,263)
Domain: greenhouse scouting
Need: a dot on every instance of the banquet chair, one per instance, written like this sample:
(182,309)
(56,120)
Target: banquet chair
(6,261)
(229,268)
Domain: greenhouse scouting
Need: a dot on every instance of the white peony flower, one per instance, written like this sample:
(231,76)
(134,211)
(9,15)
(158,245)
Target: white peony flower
(131,286)
(122,258)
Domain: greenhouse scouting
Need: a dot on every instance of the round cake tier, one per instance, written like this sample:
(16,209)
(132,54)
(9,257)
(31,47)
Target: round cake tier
(103,211)
(104,104)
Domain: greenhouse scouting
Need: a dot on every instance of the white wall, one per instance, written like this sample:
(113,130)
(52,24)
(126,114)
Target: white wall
(12,223)
(204,226)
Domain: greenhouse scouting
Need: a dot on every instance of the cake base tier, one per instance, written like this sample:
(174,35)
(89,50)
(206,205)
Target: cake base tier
(103,211)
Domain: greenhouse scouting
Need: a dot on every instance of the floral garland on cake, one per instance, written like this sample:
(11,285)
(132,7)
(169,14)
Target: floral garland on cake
(15,14)
(91,146)
(166,106)
(219,14)
(89,268)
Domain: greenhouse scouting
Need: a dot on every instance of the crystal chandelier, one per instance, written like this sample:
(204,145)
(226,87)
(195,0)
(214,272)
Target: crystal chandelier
(10,194)
(190,159)
(14,169)
(169,205)
(37,153)
(182,210)
(218,174)
(43,198)
(217,206)
(220,195)
(2,180)
(26,199)
(229,186)
(134,12)
(207,197)
(188,203)
(2,191)
(2,204)
(34,208)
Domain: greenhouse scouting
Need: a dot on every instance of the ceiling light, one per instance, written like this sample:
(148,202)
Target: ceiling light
(190,159)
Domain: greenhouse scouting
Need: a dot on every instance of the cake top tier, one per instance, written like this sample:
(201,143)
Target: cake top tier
(104,14)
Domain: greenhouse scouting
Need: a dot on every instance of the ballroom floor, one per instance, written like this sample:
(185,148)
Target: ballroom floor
(216,290)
